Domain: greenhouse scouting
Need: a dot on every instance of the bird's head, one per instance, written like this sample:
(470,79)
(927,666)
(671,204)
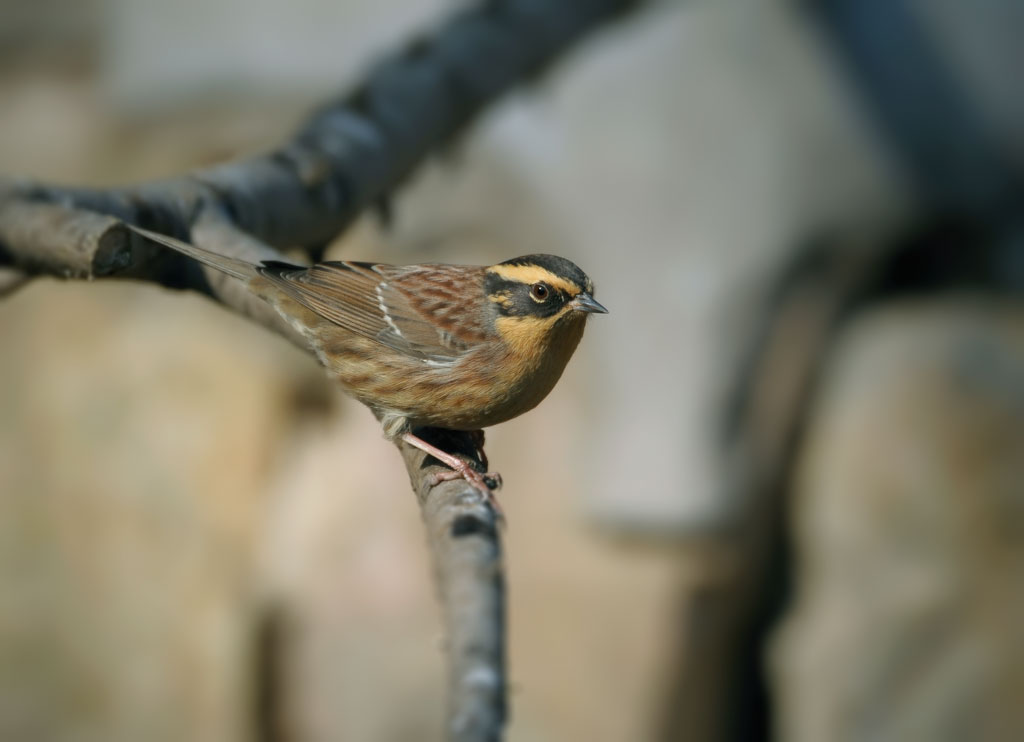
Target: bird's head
(535,295)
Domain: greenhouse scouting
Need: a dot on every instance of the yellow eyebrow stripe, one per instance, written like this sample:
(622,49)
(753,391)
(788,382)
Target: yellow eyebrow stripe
(533,274)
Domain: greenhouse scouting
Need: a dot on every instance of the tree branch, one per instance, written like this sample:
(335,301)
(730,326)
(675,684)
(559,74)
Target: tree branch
(350,155)
(62,240)
(464,541)
(353,151)
(461,528)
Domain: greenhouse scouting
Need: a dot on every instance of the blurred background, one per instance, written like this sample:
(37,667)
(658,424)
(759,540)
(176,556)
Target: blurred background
(779,493)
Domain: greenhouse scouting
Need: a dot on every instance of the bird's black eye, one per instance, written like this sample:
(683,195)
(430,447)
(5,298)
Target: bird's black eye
(539,292)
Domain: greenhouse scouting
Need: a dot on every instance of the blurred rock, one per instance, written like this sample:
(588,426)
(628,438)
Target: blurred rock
(909,529)
(134,447)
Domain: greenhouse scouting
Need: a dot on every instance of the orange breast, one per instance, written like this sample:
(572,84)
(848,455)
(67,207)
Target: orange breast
(490,384)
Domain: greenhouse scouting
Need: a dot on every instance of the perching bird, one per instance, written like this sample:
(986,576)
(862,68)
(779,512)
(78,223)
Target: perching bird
(449,346)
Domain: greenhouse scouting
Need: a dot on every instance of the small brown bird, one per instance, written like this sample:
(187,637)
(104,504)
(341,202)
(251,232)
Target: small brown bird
(449,346)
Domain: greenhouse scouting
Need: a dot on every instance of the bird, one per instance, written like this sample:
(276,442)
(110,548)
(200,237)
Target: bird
(461,347)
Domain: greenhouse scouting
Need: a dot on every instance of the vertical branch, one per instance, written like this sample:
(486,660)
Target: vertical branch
(465,543)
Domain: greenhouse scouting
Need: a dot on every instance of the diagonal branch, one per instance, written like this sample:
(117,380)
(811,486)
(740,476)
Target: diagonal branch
(356,149)
(464,540)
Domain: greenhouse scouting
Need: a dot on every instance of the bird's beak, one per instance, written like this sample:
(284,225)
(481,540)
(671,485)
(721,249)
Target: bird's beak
(584,302)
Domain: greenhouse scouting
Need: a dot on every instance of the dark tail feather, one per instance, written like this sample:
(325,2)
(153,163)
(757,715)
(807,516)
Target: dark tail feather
(240,269)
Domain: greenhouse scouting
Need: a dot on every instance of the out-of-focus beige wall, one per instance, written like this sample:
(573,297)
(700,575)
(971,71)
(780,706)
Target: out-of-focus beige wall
(156,52)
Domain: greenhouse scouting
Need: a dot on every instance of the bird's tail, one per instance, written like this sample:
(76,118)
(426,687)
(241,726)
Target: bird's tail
(240,269)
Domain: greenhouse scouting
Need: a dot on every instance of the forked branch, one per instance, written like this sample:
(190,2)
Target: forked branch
(348,156)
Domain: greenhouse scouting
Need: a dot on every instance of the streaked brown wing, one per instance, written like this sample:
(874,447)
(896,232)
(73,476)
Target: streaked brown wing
(421,311)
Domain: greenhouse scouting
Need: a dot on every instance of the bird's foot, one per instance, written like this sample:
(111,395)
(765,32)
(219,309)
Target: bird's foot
(485,484)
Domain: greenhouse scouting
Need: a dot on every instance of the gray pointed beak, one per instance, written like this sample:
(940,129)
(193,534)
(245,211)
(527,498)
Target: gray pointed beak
(584,302)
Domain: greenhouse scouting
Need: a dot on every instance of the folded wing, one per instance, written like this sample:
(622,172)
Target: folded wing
(426,312)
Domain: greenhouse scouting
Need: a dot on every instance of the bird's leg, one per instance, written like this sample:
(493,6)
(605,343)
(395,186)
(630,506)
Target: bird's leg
(462,470)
